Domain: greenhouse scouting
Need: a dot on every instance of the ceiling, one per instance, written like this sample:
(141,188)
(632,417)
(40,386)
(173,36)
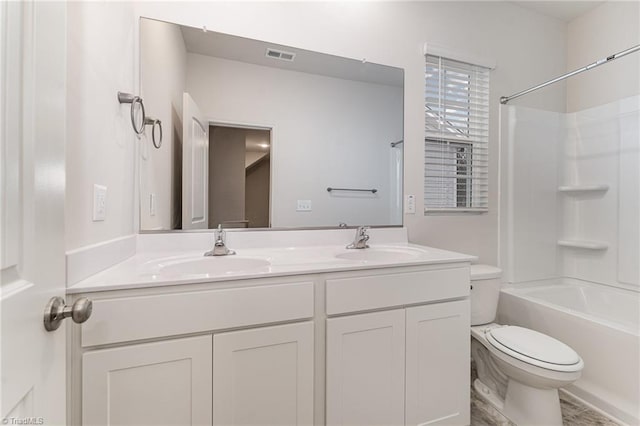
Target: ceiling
(565,10)
(241,49)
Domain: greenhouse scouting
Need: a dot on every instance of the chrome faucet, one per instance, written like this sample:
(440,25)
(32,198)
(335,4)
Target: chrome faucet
(360,242)
(219,248)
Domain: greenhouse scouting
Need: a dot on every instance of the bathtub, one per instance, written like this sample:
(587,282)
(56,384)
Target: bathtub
(601,323)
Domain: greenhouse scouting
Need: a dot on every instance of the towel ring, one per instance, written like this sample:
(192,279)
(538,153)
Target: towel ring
(152,122)
(128,98)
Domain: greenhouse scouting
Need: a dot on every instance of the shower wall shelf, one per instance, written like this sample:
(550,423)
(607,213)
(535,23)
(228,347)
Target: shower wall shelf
(575,189)
(584,244)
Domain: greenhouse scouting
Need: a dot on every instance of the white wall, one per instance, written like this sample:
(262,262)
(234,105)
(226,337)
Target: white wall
(100,140)
(163,71)
(527,47)
(326,132)
(609,28)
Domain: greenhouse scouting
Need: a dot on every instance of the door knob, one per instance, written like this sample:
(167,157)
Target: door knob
(56,311)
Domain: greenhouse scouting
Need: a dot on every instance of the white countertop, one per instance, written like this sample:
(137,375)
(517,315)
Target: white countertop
(153,268)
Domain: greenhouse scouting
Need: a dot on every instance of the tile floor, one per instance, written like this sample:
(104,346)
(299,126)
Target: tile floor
(574,413)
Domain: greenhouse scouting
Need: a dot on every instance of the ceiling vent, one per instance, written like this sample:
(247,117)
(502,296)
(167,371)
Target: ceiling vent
(280,54)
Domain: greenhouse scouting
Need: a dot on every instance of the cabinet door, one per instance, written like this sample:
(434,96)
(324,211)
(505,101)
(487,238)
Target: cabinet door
(365,369)
(264,376)
(438,357)
(160,383)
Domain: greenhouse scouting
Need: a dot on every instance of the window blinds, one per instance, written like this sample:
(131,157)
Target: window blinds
(456,136)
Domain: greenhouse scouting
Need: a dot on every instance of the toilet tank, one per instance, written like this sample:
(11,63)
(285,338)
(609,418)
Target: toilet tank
(485,291)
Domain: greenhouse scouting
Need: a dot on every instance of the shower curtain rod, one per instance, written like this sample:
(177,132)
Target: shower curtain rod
(505,99)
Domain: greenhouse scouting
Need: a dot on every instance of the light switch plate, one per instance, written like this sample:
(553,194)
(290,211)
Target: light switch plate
(99,203)
(410,204)
(304,206)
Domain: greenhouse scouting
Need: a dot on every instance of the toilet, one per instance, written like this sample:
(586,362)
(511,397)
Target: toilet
(519,370)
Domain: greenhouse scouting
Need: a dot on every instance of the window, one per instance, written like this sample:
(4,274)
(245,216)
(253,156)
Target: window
(456,140)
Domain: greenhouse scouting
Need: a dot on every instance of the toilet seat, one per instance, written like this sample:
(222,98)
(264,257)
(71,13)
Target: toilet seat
(534,348)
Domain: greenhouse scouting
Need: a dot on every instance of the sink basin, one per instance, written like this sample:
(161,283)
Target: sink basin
(213,265)
(379,254)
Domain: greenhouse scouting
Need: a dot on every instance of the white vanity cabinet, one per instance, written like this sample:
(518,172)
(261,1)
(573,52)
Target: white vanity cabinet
(238,369)
(377,361)
(407,366)
(264,376)
(166,383)
(365,369)
(437,364)
(385,346)
(256,376)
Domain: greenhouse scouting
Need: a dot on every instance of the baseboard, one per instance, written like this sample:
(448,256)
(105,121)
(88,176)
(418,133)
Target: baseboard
(588,400)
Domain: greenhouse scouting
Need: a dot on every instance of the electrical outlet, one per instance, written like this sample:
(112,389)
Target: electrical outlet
(304,206)
(410,205)
(152,204)
(99,203)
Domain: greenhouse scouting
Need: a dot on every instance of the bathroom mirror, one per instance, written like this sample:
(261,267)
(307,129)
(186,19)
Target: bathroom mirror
(258,135)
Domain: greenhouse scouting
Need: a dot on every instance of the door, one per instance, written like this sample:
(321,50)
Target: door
(264,376)
(159,383)
(438,360)
(365,369)
(32,127)
(195,166)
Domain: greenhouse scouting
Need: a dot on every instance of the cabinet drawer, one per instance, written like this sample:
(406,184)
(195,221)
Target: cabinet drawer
(379,291)
(144,317)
